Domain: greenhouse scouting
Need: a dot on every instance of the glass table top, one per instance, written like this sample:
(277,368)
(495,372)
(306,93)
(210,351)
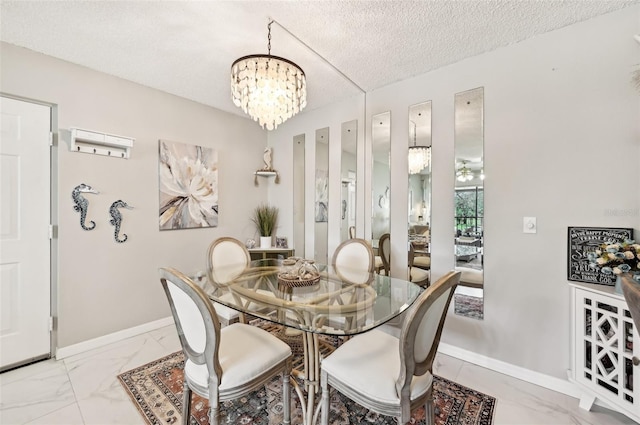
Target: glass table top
(336,302)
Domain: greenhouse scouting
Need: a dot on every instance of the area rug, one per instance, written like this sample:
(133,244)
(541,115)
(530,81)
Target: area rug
(156,390)
(468,306)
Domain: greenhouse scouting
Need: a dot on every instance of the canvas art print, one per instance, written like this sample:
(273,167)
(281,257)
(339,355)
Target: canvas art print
(188,186)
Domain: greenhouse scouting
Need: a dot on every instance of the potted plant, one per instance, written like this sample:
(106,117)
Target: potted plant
(265,217)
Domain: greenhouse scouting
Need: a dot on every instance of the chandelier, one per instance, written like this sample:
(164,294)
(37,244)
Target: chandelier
(270,89)
(419,156)
(464,174)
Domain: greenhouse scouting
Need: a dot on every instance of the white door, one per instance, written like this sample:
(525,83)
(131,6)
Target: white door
(24,231)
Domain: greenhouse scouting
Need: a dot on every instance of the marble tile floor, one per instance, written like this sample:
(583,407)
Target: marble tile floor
(83,389)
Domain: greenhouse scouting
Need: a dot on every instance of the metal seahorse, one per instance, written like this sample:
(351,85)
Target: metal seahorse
(81,203)
(116,218)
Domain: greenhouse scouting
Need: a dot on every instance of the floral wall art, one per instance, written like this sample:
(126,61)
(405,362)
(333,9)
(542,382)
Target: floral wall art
(188,186)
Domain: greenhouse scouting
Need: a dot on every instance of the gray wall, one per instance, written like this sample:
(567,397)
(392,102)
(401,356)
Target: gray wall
(562,143)
(103,286)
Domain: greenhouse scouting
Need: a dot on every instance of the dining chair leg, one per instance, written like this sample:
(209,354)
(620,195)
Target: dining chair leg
(429,410)
(186,403)
(286,396)
(324,401)
(214,409)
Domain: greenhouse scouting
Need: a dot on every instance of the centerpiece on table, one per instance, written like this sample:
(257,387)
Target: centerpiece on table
(265,217)
(616,259)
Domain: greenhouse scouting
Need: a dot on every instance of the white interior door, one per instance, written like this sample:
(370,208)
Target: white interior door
(24,231)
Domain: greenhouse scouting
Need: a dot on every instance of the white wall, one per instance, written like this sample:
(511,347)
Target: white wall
(562,143)
(104,286)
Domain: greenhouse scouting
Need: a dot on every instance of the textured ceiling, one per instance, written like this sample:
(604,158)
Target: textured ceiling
(186,48)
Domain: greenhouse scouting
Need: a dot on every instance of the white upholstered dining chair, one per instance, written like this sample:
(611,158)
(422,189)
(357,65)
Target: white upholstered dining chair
(388,375)
(221,364)
(353,261)
(416,275)
(228,258)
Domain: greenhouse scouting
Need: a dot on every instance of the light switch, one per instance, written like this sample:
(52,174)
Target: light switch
(529,225)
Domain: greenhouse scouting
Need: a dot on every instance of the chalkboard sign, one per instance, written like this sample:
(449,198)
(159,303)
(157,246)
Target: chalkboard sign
(583,240)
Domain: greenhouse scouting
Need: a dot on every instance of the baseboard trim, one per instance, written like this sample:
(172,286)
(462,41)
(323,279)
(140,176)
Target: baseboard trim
(101,341)
(533,377)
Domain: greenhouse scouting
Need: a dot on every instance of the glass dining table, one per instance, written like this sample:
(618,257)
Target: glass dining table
(329,301)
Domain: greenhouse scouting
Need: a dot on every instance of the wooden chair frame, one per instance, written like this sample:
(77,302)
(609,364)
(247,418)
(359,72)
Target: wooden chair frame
(209,355)
(410,365)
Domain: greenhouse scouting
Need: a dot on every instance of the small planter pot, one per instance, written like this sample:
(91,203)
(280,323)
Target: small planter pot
(265,242)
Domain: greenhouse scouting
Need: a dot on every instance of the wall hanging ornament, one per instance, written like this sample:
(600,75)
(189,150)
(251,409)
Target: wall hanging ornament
(267,170)
(116,218)
(82,204)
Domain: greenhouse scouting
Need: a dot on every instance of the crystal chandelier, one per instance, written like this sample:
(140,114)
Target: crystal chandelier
(464,174)
(419,156)
(270,89)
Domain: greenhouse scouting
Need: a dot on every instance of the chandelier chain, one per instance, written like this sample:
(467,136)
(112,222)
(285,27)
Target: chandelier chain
(269,39)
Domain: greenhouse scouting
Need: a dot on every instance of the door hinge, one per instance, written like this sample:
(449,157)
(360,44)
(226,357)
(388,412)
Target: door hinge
(50,138)
(50,231)
(50,323)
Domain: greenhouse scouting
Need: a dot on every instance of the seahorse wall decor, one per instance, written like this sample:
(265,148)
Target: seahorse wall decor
(116,218)
(82,204)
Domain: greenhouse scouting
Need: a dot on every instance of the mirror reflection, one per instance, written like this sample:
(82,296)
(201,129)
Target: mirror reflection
(380,175)
(322,196)
(298,195)
(469,202)
(419,194)
(348,179)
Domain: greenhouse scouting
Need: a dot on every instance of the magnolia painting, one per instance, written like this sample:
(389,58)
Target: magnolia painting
(188,186)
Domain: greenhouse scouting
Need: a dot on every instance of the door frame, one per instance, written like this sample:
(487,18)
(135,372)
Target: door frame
(53,219)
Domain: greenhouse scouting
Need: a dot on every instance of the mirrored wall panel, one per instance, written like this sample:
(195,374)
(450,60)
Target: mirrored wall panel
(298,195)
(380,175)
(419,194)
(322,196)
(348,142)
(469,202)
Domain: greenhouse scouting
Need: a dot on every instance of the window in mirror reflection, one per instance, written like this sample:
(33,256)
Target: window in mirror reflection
(381,178)
(419,199)
(322,196)
(298,195)
(469,202)
(348,174)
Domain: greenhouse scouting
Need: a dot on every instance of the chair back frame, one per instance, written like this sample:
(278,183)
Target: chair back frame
(217,244)
(209,355)
(384,249)
(631,292)
(412,365)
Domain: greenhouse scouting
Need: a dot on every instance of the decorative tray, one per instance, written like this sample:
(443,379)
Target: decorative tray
(298,282)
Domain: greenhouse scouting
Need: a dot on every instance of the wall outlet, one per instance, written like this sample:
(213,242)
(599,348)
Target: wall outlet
(529,225)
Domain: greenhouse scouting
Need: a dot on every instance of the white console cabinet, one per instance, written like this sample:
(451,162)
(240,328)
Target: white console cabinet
(604,348)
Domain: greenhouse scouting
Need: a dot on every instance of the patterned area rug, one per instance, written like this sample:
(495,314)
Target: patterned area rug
(156,390)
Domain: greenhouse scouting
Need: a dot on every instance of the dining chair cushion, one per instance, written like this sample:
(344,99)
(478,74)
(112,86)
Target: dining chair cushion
(422,262)
(224,312)
(368,363)
(418,275)
(470,276)
(239,344)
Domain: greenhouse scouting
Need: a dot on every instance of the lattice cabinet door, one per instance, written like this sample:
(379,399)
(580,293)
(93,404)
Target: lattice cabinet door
(603,352)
